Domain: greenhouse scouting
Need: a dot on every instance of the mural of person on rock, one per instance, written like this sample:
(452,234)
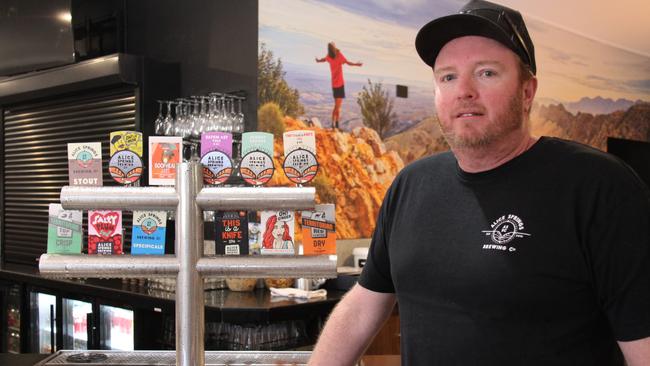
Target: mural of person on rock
(588,91)
(336,60)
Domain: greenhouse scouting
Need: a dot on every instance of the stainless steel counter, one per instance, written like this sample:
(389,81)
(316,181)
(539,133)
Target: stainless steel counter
(142,358)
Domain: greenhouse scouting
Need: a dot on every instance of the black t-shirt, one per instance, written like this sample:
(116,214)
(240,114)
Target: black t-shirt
(544,260)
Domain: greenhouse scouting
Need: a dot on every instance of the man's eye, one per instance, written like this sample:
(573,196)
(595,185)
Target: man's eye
(488,73)
(448,77)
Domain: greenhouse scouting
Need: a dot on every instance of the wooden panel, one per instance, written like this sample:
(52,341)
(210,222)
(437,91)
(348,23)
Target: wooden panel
(387,341)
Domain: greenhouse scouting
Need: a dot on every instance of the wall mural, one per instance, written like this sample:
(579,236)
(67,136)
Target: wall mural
(588,91)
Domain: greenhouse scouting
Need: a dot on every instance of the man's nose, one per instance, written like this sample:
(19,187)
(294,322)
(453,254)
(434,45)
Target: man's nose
(466,88)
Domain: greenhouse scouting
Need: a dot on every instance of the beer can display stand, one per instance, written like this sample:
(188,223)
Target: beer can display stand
(188,198)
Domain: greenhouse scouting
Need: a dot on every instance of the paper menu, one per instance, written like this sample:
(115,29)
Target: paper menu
(299,139)
(319,230)
(148,235)
(85,164)
(257,141)
(164,153)
(64,230)
(232,233)
(211,141)
(300,163)
(126,140)
(105,232)
(125,165)
(277,232)
(216,151)
(256,167)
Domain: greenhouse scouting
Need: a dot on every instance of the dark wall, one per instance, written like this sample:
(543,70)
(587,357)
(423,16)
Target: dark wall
(214,41)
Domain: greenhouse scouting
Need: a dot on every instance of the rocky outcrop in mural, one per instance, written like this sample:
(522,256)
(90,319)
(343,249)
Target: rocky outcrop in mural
(546,120)
(555,120)
(419,141)
(355,171)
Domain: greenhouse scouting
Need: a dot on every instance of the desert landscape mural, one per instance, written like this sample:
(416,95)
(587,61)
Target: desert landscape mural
(588,91)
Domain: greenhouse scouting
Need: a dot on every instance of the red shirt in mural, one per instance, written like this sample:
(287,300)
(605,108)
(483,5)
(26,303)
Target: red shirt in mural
(336,67)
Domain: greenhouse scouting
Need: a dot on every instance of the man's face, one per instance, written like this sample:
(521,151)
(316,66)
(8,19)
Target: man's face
(478,95)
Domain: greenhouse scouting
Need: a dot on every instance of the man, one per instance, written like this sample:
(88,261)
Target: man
(508,250)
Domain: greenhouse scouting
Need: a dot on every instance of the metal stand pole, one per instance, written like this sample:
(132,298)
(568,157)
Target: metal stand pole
(189,285)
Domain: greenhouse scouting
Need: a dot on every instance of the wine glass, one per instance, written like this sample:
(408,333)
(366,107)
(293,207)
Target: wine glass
(195,129)
(215,113)
(195,121)
(205,117)
(232,115)
(220,117)
(186,131)
(212,113)
(158,123)
(168,124)
(224,114)
(239,126)
(178,120)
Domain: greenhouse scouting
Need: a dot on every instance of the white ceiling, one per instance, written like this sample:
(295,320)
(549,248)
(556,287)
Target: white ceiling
(621,23)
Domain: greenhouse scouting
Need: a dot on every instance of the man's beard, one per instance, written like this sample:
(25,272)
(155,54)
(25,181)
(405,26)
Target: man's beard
(510,120)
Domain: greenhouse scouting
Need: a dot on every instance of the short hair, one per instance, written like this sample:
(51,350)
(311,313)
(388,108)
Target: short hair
(525,73)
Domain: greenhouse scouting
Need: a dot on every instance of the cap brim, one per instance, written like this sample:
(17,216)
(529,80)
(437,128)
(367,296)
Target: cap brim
(435,34)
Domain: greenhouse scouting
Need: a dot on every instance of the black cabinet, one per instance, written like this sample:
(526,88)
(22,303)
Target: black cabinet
(128,315)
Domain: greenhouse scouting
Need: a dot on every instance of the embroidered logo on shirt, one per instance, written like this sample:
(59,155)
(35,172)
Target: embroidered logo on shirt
(505,229)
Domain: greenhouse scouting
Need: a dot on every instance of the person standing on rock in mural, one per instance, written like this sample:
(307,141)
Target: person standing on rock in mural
(336,60)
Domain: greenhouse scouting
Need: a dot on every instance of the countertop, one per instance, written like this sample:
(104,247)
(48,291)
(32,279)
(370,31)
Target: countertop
(23,359)
(231,306)
(30,359)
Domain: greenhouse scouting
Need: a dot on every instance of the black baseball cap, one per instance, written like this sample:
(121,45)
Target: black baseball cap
(477,18)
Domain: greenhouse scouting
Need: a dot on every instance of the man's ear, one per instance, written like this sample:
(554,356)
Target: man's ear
(529,88)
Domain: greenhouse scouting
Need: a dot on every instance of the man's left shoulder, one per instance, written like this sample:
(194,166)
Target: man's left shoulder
(576,153)
(591,164)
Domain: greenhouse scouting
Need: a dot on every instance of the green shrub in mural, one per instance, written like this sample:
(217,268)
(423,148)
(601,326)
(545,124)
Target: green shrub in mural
(324,188)
(272,87)
(376,108)
(270,119)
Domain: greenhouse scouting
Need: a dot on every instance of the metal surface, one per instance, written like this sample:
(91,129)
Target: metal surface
(126,266)
(119,198)
(189,286)
(188,199)
(256,198)
(212,358)
(75,73)
(323,266)
(107,266)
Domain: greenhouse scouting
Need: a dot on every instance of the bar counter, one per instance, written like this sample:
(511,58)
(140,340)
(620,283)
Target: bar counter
(221,304)
(30,359)
(23,359)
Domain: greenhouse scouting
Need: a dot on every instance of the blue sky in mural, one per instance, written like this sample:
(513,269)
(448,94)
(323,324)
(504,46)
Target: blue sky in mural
(298,31)
(412,13)
(380,33)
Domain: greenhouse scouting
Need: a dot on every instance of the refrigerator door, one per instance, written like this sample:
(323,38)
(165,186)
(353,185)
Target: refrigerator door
(75,327)
(42,322)
(11,307)
(116,328)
